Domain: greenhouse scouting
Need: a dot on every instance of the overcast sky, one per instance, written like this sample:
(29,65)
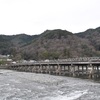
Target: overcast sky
(35,16)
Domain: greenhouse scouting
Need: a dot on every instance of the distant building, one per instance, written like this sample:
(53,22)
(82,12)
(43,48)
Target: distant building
(3,57)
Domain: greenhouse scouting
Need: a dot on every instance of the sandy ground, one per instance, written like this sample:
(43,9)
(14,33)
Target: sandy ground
(31,86)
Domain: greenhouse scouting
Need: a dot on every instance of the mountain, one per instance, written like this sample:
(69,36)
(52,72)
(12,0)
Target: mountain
(11,44)
(5,44)
(59,44)
(93,35)
(52,44)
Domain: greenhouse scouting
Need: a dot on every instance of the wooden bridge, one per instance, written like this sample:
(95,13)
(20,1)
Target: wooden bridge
(83,69)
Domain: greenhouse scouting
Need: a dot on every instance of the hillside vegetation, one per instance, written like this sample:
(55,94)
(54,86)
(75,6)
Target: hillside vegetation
(52,44)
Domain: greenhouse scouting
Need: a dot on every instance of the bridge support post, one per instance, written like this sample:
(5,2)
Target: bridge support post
(72,70)
(91,72)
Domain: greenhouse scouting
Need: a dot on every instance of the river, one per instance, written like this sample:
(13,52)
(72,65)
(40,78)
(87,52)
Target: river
(31,86)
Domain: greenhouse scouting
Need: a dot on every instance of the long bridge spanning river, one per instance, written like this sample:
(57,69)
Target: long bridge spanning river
(83,69)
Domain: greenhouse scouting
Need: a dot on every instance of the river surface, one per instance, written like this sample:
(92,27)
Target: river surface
(31,86)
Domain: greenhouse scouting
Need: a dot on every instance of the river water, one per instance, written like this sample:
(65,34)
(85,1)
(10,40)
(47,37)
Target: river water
(31,86)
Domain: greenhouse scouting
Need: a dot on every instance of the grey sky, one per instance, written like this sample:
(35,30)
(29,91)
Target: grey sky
(35,16)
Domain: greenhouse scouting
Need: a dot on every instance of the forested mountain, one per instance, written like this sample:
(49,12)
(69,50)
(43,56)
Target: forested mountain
(93,35)
(52,44)
(12,44)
